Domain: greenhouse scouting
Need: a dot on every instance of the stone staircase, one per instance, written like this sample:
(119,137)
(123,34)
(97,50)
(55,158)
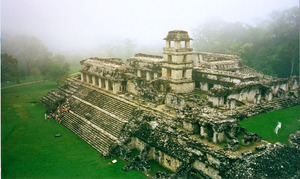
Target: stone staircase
(96,117)
(52,99)
(68,89)
(95,138)
(103,120)
(106,102)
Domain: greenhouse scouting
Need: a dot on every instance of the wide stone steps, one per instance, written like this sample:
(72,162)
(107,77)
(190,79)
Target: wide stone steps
(97,117)
(106,102)
(110,104)
(51,98)
(91,135)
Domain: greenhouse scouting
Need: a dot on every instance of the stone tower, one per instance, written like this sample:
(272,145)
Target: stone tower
(177,66)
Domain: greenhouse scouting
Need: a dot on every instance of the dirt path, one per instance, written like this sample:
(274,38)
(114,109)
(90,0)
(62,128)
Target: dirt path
(22,84)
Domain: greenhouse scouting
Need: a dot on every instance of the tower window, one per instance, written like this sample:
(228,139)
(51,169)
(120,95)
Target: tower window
(182,44)
(171,43)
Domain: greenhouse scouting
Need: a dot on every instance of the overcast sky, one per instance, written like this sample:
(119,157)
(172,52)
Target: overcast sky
(83,24)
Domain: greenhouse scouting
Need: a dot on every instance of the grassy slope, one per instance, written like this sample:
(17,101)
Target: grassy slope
(265,124)
(29,148)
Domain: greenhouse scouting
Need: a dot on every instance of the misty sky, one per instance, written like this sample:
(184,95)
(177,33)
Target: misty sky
(84,24)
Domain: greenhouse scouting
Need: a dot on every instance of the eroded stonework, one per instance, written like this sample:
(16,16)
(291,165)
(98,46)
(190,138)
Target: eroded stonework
(181,110)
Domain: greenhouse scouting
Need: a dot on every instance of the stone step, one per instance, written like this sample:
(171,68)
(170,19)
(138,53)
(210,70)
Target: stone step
(92,136)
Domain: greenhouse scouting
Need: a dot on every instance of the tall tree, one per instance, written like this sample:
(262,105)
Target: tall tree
(9,69)
(272,46)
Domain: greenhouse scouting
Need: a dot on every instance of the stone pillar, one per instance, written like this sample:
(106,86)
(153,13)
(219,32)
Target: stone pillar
(215,137)
(94,80)
(87,78)
(218,137)
(106,85)
(116,87)
(177,44)
(168,44)
(187,44)
(232,104)
(204,86)
(269,97)
(148,77)
(139,73)
(100,82)
(221,101)
(82,78)
(258,99)
(202,132)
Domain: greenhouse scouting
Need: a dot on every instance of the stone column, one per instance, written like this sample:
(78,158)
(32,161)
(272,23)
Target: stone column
(228,104)
(139,73)
(269,96)
(87,78)
(100,82)
(215,137)
(106,85)
(94,80)
(82,79)
(116,87)
(168,44)
(148,78)
(187,44)
(177,44)
(204,86)
(221,101)
(232,104)
(221,137)
(202,131)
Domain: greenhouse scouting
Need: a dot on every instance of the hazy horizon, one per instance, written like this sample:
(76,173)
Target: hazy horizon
(69,26)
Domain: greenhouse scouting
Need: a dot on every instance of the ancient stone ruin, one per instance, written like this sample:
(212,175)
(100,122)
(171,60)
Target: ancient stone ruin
(181,110)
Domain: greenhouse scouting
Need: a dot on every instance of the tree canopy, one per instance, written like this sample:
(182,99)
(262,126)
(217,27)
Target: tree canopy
(9,69)
(29,57)
(271,46)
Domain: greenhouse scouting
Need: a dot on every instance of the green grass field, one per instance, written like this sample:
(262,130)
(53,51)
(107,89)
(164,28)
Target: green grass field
(265,124)
(30,150)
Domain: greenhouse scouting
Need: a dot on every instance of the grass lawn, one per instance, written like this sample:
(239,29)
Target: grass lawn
(30,150)
(265,124)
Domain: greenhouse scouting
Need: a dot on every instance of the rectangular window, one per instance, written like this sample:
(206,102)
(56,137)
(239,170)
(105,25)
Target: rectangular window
(171,43)
(182,44)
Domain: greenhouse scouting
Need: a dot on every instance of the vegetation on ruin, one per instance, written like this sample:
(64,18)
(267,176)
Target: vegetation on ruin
(265,124)
(30,150)
(270,46)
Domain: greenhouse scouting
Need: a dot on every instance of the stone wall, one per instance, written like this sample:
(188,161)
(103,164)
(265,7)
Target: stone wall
(174,101)
(182,87)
